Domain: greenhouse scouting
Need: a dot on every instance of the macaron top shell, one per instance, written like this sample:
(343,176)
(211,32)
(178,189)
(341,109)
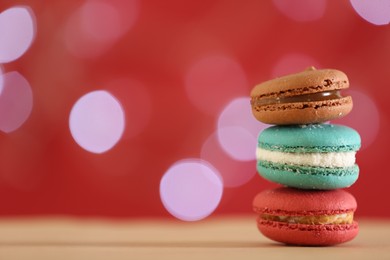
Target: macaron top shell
(305,82)
(310,138)
(288,201)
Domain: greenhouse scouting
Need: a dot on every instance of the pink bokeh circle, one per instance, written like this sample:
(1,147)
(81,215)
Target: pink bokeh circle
(233,172)
(191,189)
(237,129)
(97,121)
(302,10)
(364,117)
(293,63)
(88,35)
(373,11)
(16,101)
(214,80)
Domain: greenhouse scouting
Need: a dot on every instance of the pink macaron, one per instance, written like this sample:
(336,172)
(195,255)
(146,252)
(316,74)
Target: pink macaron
(302,217)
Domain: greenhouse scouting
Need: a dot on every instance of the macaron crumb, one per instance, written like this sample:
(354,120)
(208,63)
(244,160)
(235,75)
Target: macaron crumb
(311,126)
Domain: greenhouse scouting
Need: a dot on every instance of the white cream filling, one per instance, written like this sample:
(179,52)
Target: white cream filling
(328,160)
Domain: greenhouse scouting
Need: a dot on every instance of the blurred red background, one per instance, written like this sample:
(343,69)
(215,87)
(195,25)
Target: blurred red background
(174,66)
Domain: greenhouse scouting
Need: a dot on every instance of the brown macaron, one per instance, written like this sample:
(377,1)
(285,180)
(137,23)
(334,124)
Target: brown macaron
(309,97)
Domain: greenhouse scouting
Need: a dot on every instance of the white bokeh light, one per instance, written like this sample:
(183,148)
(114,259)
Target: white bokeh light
(16,101)
(97,121)
(302,10)
(191,189)
(237,130)
(373,11)
(17,32)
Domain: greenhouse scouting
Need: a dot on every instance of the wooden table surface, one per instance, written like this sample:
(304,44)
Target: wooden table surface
(213,238)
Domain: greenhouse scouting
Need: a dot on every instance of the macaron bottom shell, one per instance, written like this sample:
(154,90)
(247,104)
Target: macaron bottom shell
(302,113)
(308,235)
(308,177)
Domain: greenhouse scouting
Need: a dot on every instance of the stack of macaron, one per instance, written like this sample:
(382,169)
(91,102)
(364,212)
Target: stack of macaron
(311,158)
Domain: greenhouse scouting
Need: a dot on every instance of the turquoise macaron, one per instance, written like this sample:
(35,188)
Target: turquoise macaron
(316,156)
